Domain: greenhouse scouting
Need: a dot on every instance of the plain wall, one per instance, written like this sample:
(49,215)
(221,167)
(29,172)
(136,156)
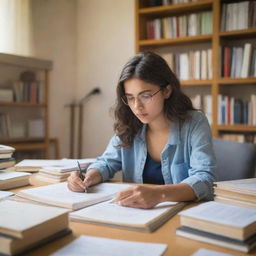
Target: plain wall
(89,41)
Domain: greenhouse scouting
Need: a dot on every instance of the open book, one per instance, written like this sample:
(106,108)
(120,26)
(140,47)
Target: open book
(109,213)
(96,246)
(24,225)
(59,194)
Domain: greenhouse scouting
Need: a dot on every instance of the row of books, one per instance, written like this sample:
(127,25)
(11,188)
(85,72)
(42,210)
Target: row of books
(15,129)
(239,61)
(238,15)
(32,92)
(191,65)
(223,222)
(180,26)
(243,138)
(152,3)
(236,111)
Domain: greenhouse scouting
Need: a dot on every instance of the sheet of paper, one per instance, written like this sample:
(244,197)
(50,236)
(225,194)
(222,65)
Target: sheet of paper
(206,252)
(61,194)
(222,213)
(5,194)
(95,246)
(113,213)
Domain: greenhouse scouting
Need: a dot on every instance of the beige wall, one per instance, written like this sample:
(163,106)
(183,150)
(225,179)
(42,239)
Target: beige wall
(105,41)
(89,41)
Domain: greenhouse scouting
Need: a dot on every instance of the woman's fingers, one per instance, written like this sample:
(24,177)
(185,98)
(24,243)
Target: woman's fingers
(75,183)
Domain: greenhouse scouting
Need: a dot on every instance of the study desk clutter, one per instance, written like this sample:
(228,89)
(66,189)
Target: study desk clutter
(177,246)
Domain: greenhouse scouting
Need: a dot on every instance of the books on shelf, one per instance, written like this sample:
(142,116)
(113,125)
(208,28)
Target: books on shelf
(59,195)
(146,220)
(238,192)
(114,247)
(35,224)
(56,166)
(215,221)
(10,179)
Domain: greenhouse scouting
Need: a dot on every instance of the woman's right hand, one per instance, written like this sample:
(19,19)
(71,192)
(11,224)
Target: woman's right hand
(76,184)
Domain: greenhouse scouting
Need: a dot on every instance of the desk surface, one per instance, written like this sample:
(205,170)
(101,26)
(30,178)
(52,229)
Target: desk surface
(177,246)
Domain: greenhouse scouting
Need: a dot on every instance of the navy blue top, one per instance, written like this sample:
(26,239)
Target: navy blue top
(152,173)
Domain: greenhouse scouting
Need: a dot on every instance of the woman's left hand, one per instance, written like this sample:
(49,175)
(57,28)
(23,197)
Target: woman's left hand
(139,196)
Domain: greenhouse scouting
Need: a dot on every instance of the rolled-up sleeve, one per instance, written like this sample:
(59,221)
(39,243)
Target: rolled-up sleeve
(110,161)
(202,160)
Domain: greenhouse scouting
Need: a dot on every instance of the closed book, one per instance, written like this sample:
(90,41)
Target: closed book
(33,224)
(221,219)
(111,214)
(223,241)
(6,149)
(6,163)
(10,179)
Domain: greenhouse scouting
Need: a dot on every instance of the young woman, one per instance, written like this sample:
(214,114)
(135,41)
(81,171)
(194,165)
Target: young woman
(159,139)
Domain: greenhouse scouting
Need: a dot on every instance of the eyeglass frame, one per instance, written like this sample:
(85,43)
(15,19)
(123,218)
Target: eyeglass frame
(153,94)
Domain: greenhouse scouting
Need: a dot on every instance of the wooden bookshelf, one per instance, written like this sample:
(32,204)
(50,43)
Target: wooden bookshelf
(218,38)
(11,66)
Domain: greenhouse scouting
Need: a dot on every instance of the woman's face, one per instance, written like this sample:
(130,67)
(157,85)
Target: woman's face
(145,100)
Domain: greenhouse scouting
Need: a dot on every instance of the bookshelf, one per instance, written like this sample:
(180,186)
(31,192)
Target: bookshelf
(24,104)
(216,84)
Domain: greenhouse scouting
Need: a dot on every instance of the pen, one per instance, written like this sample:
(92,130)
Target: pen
(81,173)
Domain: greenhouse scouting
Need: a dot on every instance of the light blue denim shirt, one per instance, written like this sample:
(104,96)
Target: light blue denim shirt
(187,157)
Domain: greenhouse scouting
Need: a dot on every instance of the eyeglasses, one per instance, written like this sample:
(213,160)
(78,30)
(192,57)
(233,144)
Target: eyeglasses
(144,98)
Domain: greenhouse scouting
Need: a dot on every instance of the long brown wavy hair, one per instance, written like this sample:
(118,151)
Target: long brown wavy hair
(151,68)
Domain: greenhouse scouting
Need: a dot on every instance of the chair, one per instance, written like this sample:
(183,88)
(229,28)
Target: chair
(234,160)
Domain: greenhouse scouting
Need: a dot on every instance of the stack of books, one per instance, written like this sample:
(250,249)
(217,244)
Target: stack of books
(236,192)
(220,224)
(24,226)
(51,171)
(6,159)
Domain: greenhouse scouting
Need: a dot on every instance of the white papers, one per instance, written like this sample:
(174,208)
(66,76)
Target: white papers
(94,246)
(5,194)
(6,175)
(206,252)
(60,195)
(222,214)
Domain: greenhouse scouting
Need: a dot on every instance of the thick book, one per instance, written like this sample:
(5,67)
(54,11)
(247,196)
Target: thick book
(10,179)
(6,163)
(23,224)
(6,149)
(59,194)
(106,246)
(221,219)
(112,214)
(235,201)
(223,241)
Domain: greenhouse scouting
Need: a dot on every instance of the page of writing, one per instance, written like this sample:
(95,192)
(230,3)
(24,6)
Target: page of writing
(4,194)
(4,175)
(60,193)
(114,213)
(94,246)
(222,213)
(206,252)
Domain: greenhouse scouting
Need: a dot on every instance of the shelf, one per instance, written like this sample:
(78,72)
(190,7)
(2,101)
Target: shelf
(196,83)
(29,146)
(21,104)
(178,40)
(177,8)
(237,128)
(250,80)
(20,140)
(250,32)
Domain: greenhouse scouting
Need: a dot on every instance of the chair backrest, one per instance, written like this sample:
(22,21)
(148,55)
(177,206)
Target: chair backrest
(234,160)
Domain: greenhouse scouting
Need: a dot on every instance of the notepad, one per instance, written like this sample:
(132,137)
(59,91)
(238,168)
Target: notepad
(95,246)
(60,195)
(112,214)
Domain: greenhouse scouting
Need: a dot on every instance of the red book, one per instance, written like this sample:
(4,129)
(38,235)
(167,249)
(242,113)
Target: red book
(227,61)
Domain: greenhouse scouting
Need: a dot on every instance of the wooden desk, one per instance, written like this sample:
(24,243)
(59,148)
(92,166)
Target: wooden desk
(177,246)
